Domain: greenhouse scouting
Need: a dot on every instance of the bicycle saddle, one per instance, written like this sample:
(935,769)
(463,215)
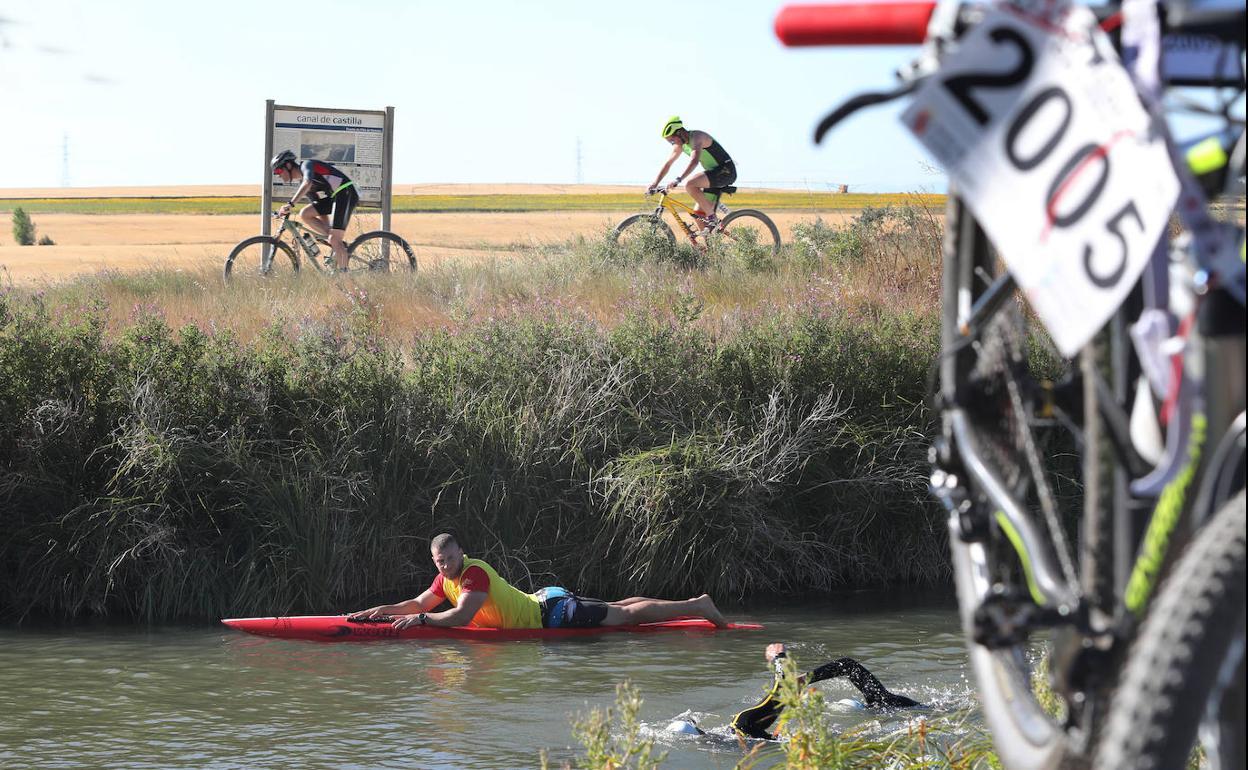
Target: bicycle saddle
(720,190)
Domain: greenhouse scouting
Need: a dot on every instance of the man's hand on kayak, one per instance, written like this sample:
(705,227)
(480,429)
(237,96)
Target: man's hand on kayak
(403,621)
(368,614)
(423,603)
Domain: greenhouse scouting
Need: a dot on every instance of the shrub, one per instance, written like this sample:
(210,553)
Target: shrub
(23,228)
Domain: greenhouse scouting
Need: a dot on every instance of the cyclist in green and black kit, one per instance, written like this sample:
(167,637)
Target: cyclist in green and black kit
(718,170)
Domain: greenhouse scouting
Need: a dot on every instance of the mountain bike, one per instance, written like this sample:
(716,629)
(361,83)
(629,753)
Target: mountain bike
(745,227)
(1073,327)
(377,250)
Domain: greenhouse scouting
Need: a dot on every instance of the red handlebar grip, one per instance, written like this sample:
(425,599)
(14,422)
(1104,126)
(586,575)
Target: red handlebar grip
(854,24)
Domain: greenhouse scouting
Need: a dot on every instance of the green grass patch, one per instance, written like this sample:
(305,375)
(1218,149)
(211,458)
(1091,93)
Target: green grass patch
(768,201)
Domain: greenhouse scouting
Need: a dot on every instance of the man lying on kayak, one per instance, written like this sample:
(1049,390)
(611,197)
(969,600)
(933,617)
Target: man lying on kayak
(756,721)
(483,599)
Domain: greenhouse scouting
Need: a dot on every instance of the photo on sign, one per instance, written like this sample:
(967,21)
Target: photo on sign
(327,146)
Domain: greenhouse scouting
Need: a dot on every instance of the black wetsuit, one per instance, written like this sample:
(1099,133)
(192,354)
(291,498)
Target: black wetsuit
(755,721)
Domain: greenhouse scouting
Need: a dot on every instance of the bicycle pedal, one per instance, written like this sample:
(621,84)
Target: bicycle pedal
(1008,617)
(708,226)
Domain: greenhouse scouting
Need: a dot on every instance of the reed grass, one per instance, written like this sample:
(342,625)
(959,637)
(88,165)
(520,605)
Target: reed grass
(174,447)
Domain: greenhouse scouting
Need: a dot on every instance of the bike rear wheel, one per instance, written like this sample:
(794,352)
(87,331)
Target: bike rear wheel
(1188,661)
(381,251)
(261,255)
(747,230)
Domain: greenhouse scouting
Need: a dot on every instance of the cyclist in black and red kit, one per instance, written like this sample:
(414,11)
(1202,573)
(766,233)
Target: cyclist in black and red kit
(333,197)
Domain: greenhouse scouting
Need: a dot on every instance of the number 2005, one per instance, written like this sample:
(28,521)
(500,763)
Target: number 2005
(1056,101)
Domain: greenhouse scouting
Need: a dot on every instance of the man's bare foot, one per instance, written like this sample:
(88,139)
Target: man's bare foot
(708,610)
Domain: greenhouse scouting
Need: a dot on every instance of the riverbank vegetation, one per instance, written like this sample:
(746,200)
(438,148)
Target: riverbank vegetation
(619,423)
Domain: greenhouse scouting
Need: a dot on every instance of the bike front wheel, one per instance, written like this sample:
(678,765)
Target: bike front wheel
(748,230)
(643,232)
(261,255)
(381,251)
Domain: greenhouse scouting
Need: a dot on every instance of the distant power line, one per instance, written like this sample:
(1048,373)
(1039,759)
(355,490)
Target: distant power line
(65,160)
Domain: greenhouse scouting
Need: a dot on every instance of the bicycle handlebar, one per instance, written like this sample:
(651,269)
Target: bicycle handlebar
(854,24)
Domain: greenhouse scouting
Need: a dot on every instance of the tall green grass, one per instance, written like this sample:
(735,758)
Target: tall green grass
(605,421)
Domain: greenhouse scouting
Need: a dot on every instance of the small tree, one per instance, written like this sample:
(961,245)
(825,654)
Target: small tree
(23,228)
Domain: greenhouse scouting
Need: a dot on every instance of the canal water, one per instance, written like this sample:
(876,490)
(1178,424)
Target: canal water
(210,697)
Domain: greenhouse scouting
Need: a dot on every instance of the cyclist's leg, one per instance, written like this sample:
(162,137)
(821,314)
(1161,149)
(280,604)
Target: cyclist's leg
(315,217)
(344,205)
(720,176)
(693,186)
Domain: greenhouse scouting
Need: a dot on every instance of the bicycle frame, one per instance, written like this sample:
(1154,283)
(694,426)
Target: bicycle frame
(286,224)
(369,251)
(1100,621)
(674,207)
(1016,573)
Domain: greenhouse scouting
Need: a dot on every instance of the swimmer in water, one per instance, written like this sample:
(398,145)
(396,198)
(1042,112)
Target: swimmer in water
(755,721)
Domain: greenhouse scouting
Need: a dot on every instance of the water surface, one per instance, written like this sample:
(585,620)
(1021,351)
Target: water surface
(211,697)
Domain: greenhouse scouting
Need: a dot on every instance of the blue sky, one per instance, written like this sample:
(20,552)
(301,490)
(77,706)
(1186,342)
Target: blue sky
(165,93)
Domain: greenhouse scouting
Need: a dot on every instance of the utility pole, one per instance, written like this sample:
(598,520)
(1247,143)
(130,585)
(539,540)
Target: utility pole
(64,160)
(579,177)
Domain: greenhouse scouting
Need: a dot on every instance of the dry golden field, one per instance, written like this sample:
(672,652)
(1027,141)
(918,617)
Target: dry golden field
(89,243)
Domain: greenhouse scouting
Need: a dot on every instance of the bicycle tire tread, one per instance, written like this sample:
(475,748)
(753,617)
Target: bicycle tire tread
(1153,720)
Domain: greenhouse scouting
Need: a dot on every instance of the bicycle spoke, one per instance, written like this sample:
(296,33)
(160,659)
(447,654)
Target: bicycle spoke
(643,236)
(261,255)
(747,235)
(381,251)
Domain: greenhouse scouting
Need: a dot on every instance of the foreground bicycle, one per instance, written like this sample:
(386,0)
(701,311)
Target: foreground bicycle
(1129,357)
(377,250)
(747,227)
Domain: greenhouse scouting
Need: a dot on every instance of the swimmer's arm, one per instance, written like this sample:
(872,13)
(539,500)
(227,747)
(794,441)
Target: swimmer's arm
(755,721)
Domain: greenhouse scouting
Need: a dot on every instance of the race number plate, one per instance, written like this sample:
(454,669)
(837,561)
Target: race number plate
(1049,145)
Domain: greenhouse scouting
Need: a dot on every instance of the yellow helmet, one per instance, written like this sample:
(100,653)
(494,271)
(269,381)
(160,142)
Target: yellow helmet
(672,125)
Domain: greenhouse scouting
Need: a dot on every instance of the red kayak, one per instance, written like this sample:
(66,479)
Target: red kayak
(336,628)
